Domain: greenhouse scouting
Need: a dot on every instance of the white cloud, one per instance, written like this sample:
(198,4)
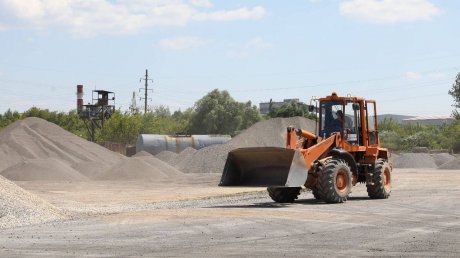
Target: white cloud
(251,46)
(201,3)
(389,11)
(88,18)
(238,14)
(413,76)
(180,43)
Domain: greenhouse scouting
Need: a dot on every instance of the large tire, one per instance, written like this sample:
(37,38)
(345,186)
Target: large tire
(284,194)
(334,181)
(316,193)
(381,179)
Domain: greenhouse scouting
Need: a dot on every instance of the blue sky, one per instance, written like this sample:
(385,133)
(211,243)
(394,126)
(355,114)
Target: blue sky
(403,53)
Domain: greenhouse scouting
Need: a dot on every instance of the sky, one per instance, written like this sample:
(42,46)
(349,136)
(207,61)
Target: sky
(402,53)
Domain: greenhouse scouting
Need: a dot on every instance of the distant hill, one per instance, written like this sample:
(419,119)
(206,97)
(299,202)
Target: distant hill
(396,118)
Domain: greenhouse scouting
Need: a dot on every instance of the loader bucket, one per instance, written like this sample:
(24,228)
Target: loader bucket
(264,166)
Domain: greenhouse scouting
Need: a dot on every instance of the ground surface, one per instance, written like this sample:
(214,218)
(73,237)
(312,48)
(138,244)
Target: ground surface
(195,218)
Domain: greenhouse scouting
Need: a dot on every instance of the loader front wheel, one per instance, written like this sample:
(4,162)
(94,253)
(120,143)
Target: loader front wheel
(334,181)
(381,180)
(284,194)
(316,193)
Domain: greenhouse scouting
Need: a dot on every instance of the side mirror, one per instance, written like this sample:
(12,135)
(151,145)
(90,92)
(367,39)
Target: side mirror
(311,108)
(356,106)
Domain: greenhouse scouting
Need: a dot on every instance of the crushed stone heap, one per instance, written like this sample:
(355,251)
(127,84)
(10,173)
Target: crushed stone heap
(268,133)
(452,164)
(19,207)
(415,160)
(34,149)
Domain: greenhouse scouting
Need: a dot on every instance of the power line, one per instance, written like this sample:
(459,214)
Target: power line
(412,97)
(386,78)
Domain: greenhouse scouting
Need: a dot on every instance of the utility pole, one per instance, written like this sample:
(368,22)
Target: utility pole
(146,89)
(133,107)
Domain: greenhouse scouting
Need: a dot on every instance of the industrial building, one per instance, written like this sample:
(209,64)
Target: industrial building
(429,120)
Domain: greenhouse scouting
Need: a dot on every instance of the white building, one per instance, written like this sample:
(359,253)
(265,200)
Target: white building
(429,120)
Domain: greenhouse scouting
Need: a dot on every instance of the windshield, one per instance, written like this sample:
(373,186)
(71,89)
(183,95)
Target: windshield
(330,112)
(338,116)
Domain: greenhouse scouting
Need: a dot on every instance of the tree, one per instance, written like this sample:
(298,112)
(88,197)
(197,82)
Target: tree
(291,109)
(455,93)
(160,121)
(218,113)
(9,117)
(162,111)
(121,128)
(251,115)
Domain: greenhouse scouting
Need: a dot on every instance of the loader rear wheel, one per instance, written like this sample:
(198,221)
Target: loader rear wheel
(284,194)
(381,179)
(334,181)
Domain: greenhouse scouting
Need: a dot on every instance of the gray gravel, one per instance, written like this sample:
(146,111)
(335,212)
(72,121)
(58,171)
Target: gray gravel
(19,207)
(82,210)
(420,219)
(268,133)
(415,160)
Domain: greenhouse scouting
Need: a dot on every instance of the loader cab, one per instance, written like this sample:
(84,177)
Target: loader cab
(340,116)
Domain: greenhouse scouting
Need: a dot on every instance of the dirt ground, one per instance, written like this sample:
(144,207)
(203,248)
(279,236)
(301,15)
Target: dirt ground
(195,218)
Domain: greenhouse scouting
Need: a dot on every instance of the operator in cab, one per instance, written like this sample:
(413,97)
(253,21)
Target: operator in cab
(341,118)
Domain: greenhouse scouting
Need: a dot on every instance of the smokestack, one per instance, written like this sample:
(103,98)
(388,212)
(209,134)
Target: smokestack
(79,98)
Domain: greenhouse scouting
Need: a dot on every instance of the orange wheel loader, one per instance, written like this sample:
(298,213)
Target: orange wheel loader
(346,150)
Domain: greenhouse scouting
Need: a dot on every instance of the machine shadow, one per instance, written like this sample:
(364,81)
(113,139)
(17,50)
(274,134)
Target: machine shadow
(275,205)
(272,205)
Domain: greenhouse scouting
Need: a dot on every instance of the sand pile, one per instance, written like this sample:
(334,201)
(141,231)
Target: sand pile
(415,160)
(30,143)
(212,159)
(19,207)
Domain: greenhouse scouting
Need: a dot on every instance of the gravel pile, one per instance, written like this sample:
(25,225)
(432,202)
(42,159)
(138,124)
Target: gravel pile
(452,164)
(415,160)
(42,170)
(167,156)
(19,207)
(393,157)
(140,167)
(269,133)
(442,158)
(36,150)
(156,163)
